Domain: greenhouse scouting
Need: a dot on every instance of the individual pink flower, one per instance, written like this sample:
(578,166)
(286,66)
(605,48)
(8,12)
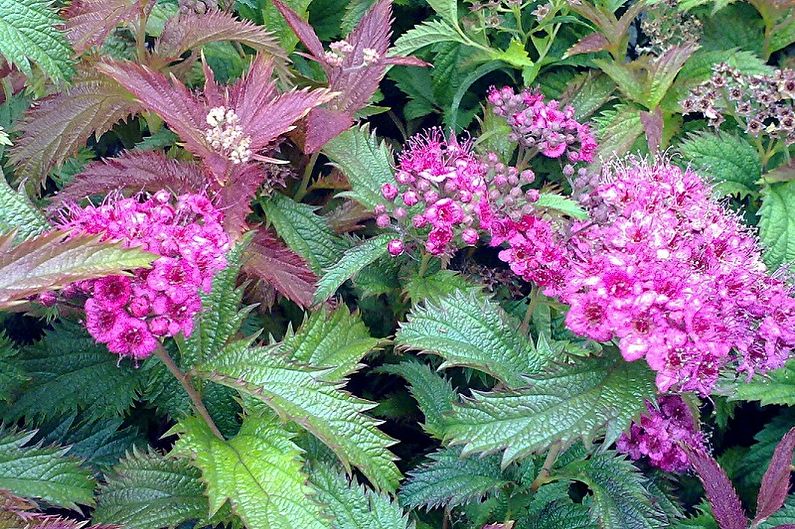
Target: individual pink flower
(113,291)
(131,337)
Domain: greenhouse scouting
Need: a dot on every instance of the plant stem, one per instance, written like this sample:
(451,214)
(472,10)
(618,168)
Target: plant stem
(426,259)
(546,468)
(531,308)
(310,166)
(185,380)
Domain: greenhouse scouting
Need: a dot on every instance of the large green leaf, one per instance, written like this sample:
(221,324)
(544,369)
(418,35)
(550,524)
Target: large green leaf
(18,213)
(756,460)
(259,471)
(557,515)
(29,34)
(365,161)
(617,130)
(775,387)
(727,159)
(570,403)
(469,329)
(42,472)
(333,340)
(433,392)
(353,261)
(352,505)
(777,223)
(150,491)
(426,34)
(305,232)
(69,371)
(300,394)
(450,480)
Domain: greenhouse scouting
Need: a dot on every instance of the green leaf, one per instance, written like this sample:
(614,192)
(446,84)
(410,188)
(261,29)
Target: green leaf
(447,9)
(783,34)
(11,373)
(557,515)
(784,517)
(365,161)
(353,261)
(300,394)
(352,505)
(148,491)
(28,35)
(754,463)
(69,371)
(777,224)
(516,55)
(433,393)
(220,318)
(570,403)
(449,480)
(729,160)
(335,341)
(469,329)
(625,78)
(664,70)
(432,286)
(620,497)
(259,471)
(42,472)
(417,84)
(18,213)
(589,93)
(775,387)
(561,204)
(305,232)
(425,34)
(617,130)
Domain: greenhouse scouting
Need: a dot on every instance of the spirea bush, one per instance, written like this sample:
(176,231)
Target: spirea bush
(430,264)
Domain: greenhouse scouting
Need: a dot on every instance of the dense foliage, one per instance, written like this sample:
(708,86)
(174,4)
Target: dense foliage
(495,264)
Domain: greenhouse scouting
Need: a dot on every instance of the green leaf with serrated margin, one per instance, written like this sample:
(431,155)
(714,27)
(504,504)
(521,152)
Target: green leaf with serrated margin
(69,371)
(447,9)
(298,393)
(589,93)
(560,204)
(353,261)
(620,497)
(18,213)
(617,130)
(432,286)
(558,514)
(469,329)
(567,404)
(365,161)
(450,480)
(305,232)
(727,159)
(259,471)
(352,505)
(29,34)
(777,224)
(148,491)
(333,340)
(11,373)
(433,392)
(42,472)
(426,34)
(775,387)
(754,463)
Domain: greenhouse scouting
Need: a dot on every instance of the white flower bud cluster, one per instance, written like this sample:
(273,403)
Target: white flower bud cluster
(227,136)
(339,50)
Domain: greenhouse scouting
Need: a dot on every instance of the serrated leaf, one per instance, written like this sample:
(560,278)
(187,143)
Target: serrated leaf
(299,394)
(664,70)
(723,500)
(775,482)
(557,515)
(447,9)
(729,160)
(425,34)
(775,387)
(352,505)
(777,224)
(365,161)
(433,392)
(51,261)
(148,491)
(42,472)
(569,403)
(561,204)
(89,22)
(469,329)
(617,131)
(353,261)
(589,93)
(68,371)
(305,232)
(756,460)
(11,373)
(449,480)
(620,497)
(335,341)
(29,35)
(258,471)
(783,519)
(432,286)
(18,213)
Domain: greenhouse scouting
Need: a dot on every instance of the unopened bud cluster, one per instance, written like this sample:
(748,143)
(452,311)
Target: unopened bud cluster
(340,50)
(226,136)
(665,26)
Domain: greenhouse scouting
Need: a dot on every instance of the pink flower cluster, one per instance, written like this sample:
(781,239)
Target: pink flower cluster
(661,433)
(543,125)
(129,314)
(439,183)
(676,279)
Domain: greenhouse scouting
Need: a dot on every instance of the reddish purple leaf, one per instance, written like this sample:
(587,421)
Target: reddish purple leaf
(406,61)
(324,124)
(589,44)
(269,259)
(653,125)
(775,482)
(234,198)
(134,171)
(726,506)
(88,22)
(302,29)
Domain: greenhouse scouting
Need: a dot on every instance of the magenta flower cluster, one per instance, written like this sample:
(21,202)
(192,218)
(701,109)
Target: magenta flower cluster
(130,313)
(676,279)
(543,125)
(661,433)
(439,183)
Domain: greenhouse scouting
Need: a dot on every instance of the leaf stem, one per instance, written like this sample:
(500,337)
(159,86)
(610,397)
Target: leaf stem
(185,380)
(310,166)
(546,468)
(531,308)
